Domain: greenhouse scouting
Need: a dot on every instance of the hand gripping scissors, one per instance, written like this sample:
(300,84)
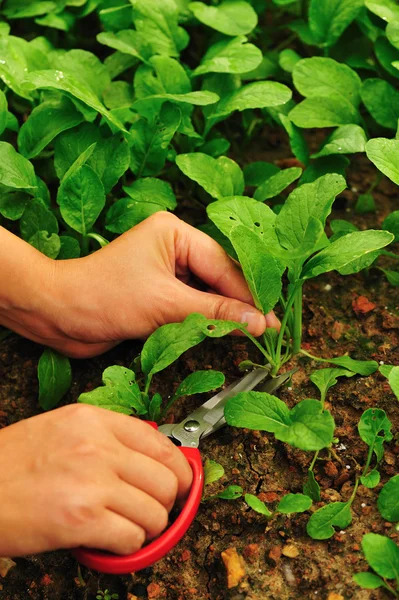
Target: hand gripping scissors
(204,421)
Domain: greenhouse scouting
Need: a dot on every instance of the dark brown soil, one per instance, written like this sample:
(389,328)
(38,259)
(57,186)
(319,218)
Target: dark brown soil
(253,460)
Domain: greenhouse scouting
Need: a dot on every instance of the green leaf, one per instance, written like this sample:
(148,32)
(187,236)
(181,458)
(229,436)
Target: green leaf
(388,500)
(69,248)
(260,94)
(392,32)
(46,243)
(311,488)
(149,143)
(55,378)
(387,56)
(262,272)
(12,204)
(273,186)
(120,392)
(347,139)
(298,143)
(3,111)
(294,503)
(322,522)
(126,213)
(328,19)
(37,217)
(199,383)
(218,176)
(365,204)
(368,581)
(157,23)
(382,101)
(84,67)
(375,428)
(258,172)
(127,41)
(213,471)
(154,408)
(81,198)
(361,367)
(391,222)
(231,17)
(307,426)
(15,171)
(45,122)
(152,190)
(382,554)
(288,59)
(385,155)
(371,480)
(392,276)
(119,94)
(230,56)
(307,201)
(257,505)
(387,10)
(334,164)
(232,492)
(394,381)
(320,77)
(324,111)
(345,251)
(324,379)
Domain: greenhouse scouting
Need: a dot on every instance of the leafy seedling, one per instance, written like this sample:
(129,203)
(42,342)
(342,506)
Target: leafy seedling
(382,554)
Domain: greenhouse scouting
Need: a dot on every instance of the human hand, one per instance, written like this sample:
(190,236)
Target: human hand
(135,284)
(85,476)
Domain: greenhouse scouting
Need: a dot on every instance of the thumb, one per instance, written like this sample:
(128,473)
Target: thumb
(213,306)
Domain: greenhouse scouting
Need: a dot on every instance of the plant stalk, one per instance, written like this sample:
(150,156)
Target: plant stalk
(288,307)
(297,329)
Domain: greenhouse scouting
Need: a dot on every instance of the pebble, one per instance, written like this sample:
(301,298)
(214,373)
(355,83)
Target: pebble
(334,596)
(153,590)
(234,564)
(5,565)
(290,550)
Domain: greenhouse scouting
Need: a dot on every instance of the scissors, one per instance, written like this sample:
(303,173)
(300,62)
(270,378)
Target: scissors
(204,421)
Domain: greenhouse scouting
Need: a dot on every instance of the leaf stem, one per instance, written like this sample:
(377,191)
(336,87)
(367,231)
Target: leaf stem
(368,461)
(297,329)
(288,307)
(312,464)
(351,499)
(259,346)
(84,244)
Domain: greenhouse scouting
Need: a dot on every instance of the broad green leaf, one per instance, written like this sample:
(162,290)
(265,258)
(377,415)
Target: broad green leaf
(391,222)
(322,522)
(230,56)
(126,213)
(218,176)
(294,503)
(257,505)
(15,171)
(84,67)
(382,554)
(334,164)
(288,59)
(392,276)
(324,111)
(388,500)
(260,94)
(324,379)
(119,94)
(75,88)
(213,471)
(382,101)
(149,143)
(152,190)
(298,143)
(393,380)
(388,10)
(3,111)
(347,139)
(12,204)
(81,198)
(261,270)
(368,581)
(119,393)
(18,57)
(231,17)
(232,492)
(307,426)
(17,10)
(392,32)
(154,408)
(127,41)
(37,217)
(345,251)
(320,77)
(365,204)
(200,382)
(361,367)
(258,172)
(55,378)
(387,56)
(371,479)
(45,122)
(273,186)
(157,23)
(385,155)
(69,248)
(311,488)
(375,428)
(216,147)
(47,243)
(307,201)
(328,19)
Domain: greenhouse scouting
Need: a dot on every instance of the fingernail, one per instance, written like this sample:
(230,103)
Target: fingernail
(272,321)
(254,320)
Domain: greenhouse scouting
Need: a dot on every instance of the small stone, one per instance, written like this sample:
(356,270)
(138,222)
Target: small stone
(334,596)
(291,551)
(132,597)
(5,565)
(251,551)
(185,555)
(268,496)
(331,470)
(153,590)
(46,580)
(362,305)
(234,566)
(275,553)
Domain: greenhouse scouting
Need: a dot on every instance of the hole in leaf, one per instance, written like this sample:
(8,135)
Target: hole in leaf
(257,224)
(232,219)
(211,327)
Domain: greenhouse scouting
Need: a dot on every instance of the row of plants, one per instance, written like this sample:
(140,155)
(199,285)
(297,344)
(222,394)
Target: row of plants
(98,134)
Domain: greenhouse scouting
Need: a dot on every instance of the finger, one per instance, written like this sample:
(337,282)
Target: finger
(200,254)
(139,508)
(142,438)
(115,534)
(148,475)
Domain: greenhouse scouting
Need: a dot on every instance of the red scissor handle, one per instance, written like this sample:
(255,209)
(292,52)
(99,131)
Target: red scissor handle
(145,557)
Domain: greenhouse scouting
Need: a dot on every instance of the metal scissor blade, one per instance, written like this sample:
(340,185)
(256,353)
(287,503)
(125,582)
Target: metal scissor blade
(210,416)
(274,383)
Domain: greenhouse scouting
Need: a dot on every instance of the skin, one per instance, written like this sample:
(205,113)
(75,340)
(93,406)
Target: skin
(88,475)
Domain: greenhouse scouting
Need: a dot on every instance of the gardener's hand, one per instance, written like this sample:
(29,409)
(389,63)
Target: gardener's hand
(132,286)
(84,476)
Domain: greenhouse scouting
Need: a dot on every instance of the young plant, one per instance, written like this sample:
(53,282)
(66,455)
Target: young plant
(382,554)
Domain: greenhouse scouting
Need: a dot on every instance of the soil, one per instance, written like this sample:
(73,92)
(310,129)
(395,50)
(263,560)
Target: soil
(280,561)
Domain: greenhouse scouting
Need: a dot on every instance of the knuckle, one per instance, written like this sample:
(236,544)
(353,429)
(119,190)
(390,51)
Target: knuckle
(222,308)
(162,218)
(161,519)
(81,412)
(170,490)
(80,509)
(165,450)
(132,542)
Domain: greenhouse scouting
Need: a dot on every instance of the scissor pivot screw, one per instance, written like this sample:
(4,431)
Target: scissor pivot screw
(191,425)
